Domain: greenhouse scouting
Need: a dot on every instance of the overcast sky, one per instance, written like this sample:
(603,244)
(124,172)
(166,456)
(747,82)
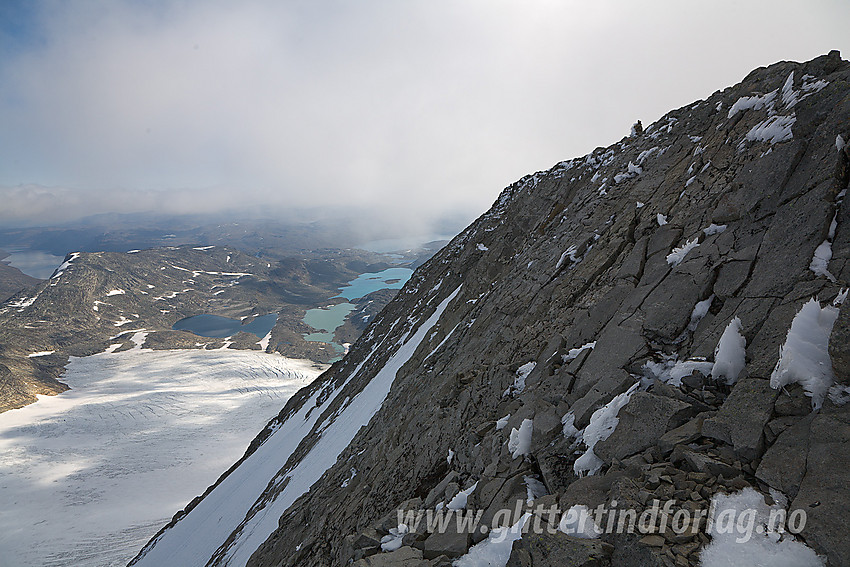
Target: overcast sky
(423,107)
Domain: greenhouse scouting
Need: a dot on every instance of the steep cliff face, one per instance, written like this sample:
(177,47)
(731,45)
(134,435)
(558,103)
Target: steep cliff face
(608,277)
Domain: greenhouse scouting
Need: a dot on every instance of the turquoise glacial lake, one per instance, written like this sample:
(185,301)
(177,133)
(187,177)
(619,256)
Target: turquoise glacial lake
(364,284)
(220,327)
(326,320)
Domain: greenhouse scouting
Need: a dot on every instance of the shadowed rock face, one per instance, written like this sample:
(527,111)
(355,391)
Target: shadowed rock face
(594,250)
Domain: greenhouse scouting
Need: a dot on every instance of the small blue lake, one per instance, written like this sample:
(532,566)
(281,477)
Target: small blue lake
(220,327)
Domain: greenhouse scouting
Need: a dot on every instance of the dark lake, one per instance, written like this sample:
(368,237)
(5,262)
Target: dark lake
(35,263)
(219,327)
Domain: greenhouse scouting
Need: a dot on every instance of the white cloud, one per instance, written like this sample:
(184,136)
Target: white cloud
(433,105)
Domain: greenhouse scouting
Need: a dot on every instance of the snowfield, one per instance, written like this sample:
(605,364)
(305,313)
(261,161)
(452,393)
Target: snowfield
(89,476)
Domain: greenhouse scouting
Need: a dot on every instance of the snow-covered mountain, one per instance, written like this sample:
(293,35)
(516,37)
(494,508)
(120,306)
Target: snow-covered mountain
(606,336)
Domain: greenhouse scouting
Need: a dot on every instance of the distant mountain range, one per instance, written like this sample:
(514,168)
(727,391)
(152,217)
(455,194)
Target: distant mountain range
(99,299)
(293,231)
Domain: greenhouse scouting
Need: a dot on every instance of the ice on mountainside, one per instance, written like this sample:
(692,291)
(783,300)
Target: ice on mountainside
(632,170)
(645,154)
(774,130)
(699,312)
(577,521)
(804,357)
(601,426)
(459,501)
(675,257)
(820,260)
(789,95)
(40,353)
(444,341)
(755,102)
(823,253)
(742,534)
(65,265)
(534,489)
(568,254)
(713,229)
(348,480)
(496,549)
(519,382)
(671,371)
(519,442)
(395,539)
(569,429)
(574,352)
(730,353)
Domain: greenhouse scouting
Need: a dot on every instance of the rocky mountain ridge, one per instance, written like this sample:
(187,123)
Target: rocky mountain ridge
(601,290)
(12,280)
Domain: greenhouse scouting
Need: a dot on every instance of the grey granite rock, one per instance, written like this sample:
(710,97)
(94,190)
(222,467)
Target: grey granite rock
(642,422)
(742,417)
(402,557)
(684,434)
(825,492)
(784,464)
(839,345)
(452,542)
(559,550)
